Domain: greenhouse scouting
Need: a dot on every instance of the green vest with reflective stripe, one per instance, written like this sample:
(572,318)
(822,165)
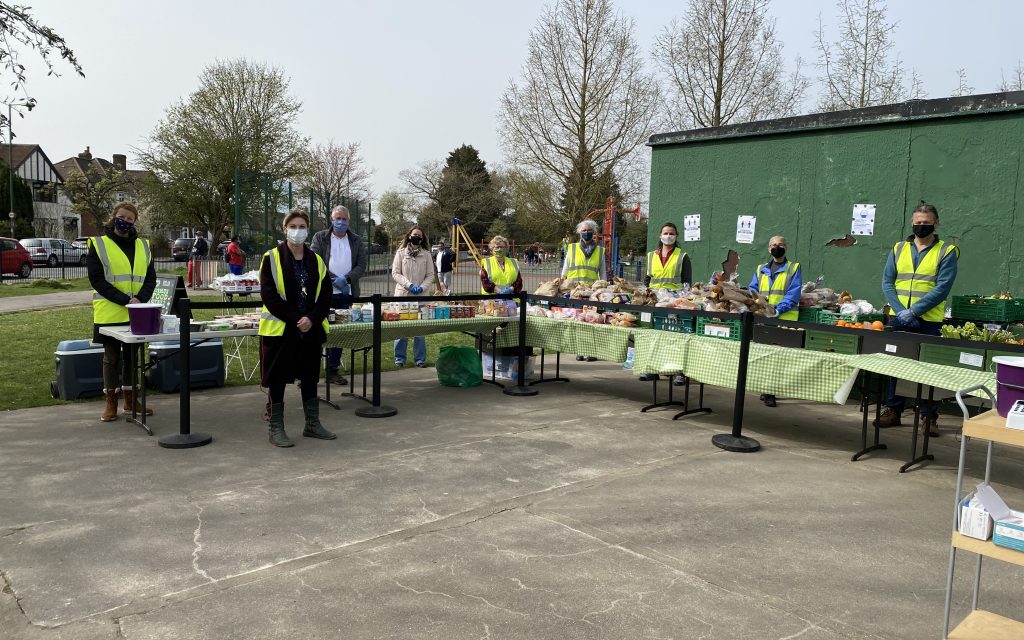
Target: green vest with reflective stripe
(501,277)
(669,275)
(126,278)
(776,291)
(912,284)
(270,325)
(582,268)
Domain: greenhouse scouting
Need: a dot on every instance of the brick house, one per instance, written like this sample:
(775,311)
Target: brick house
(81,164)
(51,208)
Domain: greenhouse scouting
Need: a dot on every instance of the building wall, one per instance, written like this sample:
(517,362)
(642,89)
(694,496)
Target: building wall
(803,185)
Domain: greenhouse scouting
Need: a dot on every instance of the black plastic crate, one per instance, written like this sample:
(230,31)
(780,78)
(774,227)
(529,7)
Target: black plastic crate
(781,336)
(894,343)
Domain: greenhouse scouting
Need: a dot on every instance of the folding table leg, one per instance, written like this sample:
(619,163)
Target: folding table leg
(865,407)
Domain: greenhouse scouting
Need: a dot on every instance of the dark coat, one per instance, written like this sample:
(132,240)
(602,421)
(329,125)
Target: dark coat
(294,354)
(321,245)
(99,284)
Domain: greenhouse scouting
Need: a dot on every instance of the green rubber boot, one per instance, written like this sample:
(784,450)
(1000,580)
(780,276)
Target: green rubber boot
(278,437)
(313,428)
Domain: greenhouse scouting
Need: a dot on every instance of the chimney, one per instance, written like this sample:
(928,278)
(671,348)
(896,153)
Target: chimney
(85,155)
(120,162)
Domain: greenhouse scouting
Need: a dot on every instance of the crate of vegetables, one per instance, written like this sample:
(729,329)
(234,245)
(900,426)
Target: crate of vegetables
(1001,308)
(831,317)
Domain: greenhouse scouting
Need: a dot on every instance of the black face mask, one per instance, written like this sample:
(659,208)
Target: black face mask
(924,230)
(777,252)
(415,241)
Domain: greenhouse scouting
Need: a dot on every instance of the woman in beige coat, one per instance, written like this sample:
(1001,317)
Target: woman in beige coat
(413,273)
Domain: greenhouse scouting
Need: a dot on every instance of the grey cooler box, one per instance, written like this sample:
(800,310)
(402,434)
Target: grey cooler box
(79,366)
(206,362)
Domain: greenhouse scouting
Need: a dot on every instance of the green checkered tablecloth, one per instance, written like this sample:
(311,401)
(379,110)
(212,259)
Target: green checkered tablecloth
(939,376)
(782,371)
(601,341)
(358,335)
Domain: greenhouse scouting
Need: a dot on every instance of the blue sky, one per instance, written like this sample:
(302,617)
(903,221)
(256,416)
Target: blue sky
(409,80)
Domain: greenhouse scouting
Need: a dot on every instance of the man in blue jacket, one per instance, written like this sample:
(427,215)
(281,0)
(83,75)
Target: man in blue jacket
(779,280)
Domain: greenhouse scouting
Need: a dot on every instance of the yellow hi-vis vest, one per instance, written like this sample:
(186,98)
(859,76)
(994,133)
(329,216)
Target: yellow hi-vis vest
(270,325)
(501,277)
(581,268)
(669,275)
(776,291)
(912,284)
(126,278)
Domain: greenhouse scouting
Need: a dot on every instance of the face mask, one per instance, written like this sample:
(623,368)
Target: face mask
(924,230)
(587,236)
(501,252)
(668,238)
(297,236)
(778,252)
(415,241)
(341,226)
(123,226)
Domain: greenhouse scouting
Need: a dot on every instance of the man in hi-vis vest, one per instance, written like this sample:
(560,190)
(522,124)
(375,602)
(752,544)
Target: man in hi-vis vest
(779,280)
(919,274)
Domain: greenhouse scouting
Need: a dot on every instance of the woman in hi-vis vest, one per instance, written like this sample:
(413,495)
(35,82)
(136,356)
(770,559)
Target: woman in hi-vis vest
(296,293)
(667,267)
(120,268)
(500,272)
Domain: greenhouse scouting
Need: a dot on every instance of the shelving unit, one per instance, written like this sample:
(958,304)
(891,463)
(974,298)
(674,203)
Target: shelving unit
(981,624)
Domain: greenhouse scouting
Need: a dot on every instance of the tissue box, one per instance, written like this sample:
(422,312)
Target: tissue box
(975,521)
(1009,531)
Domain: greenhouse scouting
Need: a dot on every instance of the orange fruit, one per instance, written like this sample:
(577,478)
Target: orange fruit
(877,325)
(858,326)
(841,323)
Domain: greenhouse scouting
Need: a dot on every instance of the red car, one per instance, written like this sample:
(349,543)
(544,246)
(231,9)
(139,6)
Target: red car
(14,258)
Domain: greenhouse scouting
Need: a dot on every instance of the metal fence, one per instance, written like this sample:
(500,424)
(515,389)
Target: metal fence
(58,261)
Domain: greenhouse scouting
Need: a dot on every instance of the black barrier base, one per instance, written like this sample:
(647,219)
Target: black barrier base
(519,391)
(739,444)
(382,411)
(185,440)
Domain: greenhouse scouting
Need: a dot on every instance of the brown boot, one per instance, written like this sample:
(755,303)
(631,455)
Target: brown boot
(129,398)
(110,408)
(889,418)
(930,425)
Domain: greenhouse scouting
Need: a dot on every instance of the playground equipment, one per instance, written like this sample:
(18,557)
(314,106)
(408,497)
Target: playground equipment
(608,238)
(459,235)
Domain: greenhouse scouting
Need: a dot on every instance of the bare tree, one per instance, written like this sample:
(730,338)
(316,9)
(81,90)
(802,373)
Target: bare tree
(917,91)
(724,65)
(1016,81)
(859,69)
(583,102)
(338,171)
(962,88)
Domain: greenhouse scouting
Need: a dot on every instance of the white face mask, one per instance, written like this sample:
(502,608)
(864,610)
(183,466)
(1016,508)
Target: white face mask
(297,236)
(668,238)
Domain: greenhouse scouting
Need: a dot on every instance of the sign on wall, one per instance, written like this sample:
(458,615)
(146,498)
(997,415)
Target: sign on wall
(863,220)
(691,228)
(745,229)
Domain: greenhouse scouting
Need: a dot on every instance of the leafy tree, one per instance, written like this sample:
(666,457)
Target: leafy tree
(724,65)
(395,215)
(94,193)
(19,30)
(584,103)
(242,115)
(465,191)
(534,201)
(23,213)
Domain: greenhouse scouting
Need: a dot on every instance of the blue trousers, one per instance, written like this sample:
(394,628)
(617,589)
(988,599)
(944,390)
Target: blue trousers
(338,301)
(419,349)
(235,269)
(898,403)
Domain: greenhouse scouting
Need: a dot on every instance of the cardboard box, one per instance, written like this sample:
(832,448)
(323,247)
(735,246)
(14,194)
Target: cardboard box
(1008,530)
(975,521)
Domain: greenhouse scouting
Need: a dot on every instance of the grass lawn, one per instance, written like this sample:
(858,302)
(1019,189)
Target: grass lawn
(44,285)
(30,339)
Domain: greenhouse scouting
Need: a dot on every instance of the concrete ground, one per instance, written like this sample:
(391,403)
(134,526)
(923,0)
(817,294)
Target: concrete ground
(472,514)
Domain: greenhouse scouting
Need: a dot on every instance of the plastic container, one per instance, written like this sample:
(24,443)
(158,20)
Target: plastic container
(79,370)
(144,318)
(1009,382)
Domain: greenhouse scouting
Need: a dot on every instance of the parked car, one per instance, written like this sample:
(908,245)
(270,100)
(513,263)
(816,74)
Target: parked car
(53,251)
(222,248)
(14,258)
(181,248)
(82,243)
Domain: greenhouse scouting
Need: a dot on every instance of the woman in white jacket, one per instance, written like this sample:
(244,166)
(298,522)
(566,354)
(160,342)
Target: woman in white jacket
(413,273)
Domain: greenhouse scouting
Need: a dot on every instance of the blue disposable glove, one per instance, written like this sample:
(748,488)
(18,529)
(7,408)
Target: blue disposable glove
(504,289)
(341,285)
(905,317)
(416,289)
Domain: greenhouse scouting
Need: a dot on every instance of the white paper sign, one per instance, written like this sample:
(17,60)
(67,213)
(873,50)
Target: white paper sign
(971,359)
(745,229)
(890,348)
(691,228)
(863,220)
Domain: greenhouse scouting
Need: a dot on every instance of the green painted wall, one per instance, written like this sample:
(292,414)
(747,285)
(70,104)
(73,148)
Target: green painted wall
(803,185)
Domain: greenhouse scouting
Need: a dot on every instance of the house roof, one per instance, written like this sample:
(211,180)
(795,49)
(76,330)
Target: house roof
(19,153)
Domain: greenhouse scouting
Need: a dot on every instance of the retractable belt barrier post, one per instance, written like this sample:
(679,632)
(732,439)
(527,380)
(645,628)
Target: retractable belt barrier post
(376,409)
(184,439)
